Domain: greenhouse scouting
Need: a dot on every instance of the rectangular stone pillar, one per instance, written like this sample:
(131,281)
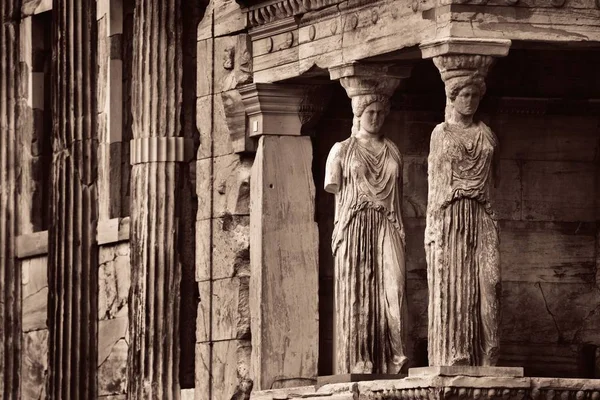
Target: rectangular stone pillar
(284,243)
(283,236)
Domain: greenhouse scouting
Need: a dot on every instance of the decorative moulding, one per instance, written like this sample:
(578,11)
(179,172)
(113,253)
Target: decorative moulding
(447,388)
(272,109)
(280,26)
(260,13)
(475,46)
(161,149)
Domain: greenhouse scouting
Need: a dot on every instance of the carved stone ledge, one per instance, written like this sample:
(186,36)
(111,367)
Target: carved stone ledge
(266,12)
(281,109)
(161,149)
(474,46)
(446,388)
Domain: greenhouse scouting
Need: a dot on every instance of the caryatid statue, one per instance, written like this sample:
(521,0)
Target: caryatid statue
(365,174)
(461,238)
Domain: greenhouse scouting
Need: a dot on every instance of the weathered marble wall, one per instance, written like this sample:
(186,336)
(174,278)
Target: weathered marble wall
(34,362)
(546,200)
(223,189)
(113,289)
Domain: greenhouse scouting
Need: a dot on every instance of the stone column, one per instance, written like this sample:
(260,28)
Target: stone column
(10,274)
(157,152)
(461,238)
(73,249)
(283,237)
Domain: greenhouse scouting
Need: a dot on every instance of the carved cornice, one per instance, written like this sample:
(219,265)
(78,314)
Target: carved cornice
(281,109)
(265,12)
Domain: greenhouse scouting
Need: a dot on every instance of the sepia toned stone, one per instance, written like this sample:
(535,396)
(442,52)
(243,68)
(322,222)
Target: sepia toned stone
(543,198)
(461,237)
(284,247)
(231,185)
(231,246)
(204,85)
(203,316)
(72,243)
(550,138)
(506,194)
(221,137)
(228,382)
(112,371)
(235,116)
(113,282)
(414,191)
(553,252)
(365,173)
(202,370)
(156,202)
(34,367)
(204,124)
(505,372)
(203,249)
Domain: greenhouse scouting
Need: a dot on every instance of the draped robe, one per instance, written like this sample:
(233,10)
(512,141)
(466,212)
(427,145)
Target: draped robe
(462,248)
(368,250)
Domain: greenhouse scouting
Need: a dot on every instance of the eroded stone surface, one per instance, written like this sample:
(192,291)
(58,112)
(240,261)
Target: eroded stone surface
(231,185)
(113,281)
(35,293)
(34,367)
(112,371)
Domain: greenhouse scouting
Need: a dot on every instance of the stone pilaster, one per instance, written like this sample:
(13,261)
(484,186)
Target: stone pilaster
(10,273)
(283,236)
(157,152)
(73,249)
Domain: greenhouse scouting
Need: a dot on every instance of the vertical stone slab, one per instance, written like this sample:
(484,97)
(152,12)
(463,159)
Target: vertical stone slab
(10,274)
(284,264)
(157,152)
(73,248)
(110,108)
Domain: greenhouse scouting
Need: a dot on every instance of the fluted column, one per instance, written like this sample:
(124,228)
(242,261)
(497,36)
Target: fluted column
(73,249)
(157,151)
(10,275)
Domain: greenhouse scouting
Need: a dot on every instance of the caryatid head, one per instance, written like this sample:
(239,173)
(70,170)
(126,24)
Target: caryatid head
(369,113)
(464,80)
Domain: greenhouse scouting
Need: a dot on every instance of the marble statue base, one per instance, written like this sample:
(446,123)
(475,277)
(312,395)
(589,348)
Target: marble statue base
(346,378)
(496,372)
